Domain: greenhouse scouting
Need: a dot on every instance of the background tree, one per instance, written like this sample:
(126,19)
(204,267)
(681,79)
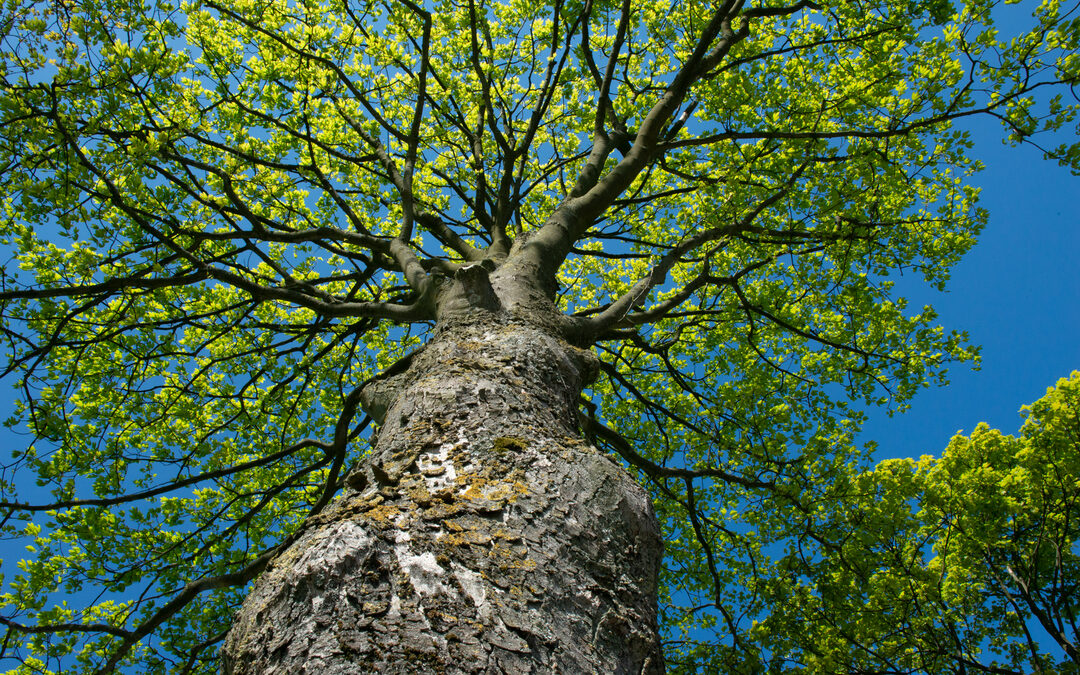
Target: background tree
(232,224)
(927,565)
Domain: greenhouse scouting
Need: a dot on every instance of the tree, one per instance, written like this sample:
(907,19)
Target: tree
(243,232)
(921,564)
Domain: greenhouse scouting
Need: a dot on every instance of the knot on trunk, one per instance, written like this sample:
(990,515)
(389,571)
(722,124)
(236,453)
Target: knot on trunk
(467,291)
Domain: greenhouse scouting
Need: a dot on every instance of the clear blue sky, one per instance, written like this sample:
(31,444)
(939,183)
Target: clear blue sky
(1017,293)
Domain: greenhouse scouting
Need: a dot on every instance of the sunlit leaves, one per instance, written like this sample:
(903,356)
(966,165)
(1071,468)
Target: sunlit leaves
(936,564)
(191,194)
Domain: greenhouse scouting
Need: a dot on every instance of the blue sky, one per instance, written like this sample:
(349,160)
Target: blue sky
(1017,293)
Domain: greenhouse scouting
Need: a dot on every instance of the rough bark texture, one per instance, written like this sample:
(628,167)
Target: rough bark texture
(482,535)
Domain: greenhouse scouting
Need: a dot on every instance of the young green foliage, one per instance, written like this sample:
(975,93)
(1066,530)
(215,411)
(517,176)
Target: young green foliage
(222,217)
(968,561)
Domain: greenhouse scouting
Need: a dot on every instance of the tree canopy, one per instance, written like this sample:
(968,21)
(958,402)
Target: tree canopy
(222,218)
(968,561)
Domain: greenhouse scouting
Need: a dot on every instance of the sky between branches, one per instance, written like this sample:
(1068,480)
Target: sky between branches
(1017,293)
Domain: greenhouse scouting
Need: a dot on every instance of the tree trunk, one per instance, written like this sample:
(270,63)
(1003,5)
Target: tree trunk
(482,534)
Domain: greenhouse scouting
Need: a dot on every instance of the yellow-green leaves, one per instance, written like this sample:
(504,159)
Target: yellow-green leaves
(943,563)
(220,217)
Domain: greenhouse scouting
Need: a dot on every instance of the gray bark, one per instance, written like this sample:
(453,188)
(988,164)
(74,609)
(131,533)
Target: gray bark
(481,535)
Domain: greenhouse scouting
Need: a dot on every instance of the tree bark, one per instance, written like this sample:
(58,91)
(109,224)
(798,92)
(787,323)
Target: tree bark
(481,535)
